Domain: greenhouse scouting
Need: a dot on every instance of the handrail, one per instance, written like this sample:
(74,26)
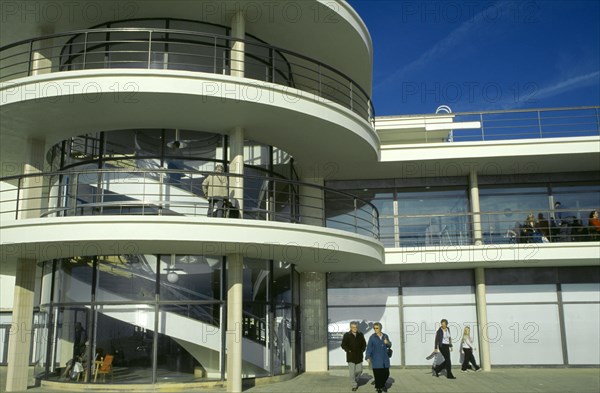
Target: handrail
(451,114)
(497,227)
(179,192)
(508,125)
(358,103)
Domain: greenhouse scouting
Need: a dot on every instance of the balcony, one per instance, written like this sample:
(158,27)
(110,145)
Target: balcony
(108,212)
(444,231)
(181,193)
(180,50)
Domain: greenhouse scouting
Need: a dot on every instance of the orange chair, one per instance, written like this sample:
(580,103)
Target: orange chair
(104,366)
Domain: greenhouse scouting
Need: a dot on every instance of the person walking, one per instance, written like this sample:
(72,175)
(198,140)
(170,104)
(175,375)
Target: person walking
(354,344)
(466,350)
(443,344)
(378,357)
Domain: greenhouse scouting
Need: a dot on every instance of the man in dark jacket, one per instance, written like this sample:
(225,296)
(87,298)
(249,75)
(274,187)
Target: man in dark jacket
(354,344)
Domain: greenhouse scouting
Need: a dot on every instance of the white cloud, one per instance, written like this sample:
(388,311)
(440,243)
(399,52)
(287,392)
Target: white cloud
(454,39)
(568,85)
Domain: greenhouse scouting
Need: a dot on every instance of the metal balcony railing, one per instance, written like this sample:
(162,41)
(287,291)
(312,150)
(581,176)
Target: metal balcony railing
(529,123)
(181,193)
(506,125)
(169,49)
(456,229)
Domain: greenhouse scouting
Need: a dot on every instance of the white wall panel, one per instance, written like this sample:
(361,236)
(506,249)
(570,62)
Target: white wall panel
(521,293)
(581,328)
(421,323)
(581,292)
(524,334)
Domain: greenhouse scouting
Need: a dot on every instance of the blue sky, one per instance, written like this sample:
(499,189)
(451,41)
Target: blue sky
(482,55)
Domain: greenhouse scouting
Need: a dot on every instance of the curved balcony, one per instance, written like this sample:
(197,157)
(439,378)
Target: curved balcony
(181,193)
(169,49)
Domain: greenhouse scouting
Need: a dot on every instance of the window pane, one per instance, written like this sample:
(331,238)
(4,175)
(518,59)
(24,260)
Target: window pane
(433,217)
(126,278)
(190,277)
(509,208)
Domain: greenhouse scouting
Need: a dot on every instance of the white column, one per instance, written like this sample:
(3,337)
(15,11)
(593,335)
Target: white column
(238,48)
(475,209)
(30,200)
(313,288)
(484,345)
(19,342)
(312,202)
(236,166)
(235,262)
(41,62)
(235,270)
(313,300)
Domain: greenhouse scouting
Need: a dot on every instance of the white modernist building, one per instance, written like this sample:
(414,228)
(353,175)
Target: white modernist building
(200,191)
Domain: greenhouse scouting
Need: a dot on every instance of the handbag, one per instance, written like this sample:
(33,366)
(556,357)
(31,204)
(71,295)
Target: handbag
(390,352)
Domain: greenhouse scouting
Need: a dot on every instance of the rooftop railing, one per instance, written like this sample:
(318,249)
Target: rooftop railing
(530,123)
(180,193)
(168,49)
(504,125)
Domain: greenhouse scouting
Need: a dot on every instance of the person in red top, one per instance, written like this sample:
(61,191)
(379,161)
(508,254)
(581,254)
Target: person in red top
(594,225)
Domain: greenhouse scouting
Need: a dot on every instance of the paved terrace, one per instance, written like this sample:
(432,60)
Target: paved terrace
(500,380)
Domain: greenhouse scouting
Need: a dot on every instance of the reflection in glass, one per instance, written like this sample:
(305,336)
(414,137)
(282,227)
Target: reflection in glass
(75,277)
(129,324)
(125,332)
(433,217)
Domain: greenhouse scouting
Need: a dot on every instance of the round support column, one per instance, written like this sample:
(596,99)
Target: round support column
(238,48)
(475,209)
(19,344)
(235,270)
(313,306)
(484,345)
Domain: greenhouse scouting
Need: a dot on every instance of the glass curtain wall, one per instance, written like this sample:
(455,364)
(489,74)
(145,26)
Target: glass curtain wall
(159,318)
(416,216)
(161,172)
(507,210)
(178,49)
(412,217)
(433,216)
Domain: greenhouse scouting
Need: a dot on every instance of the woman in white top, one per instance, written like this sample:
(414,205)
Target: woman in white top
(466,349)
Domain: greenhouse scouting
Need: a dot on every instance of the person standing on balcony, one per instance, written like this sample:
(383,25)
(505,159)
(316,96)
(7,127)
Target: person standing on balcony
(443,344)
(543,226)
(215,190)
(354,344)
(594,226)
(378,357)
(529,231)
(556,222)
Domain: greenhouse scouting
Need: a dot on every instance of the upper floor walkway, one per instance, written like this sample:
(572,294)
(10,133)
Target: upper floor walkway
(181,50)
